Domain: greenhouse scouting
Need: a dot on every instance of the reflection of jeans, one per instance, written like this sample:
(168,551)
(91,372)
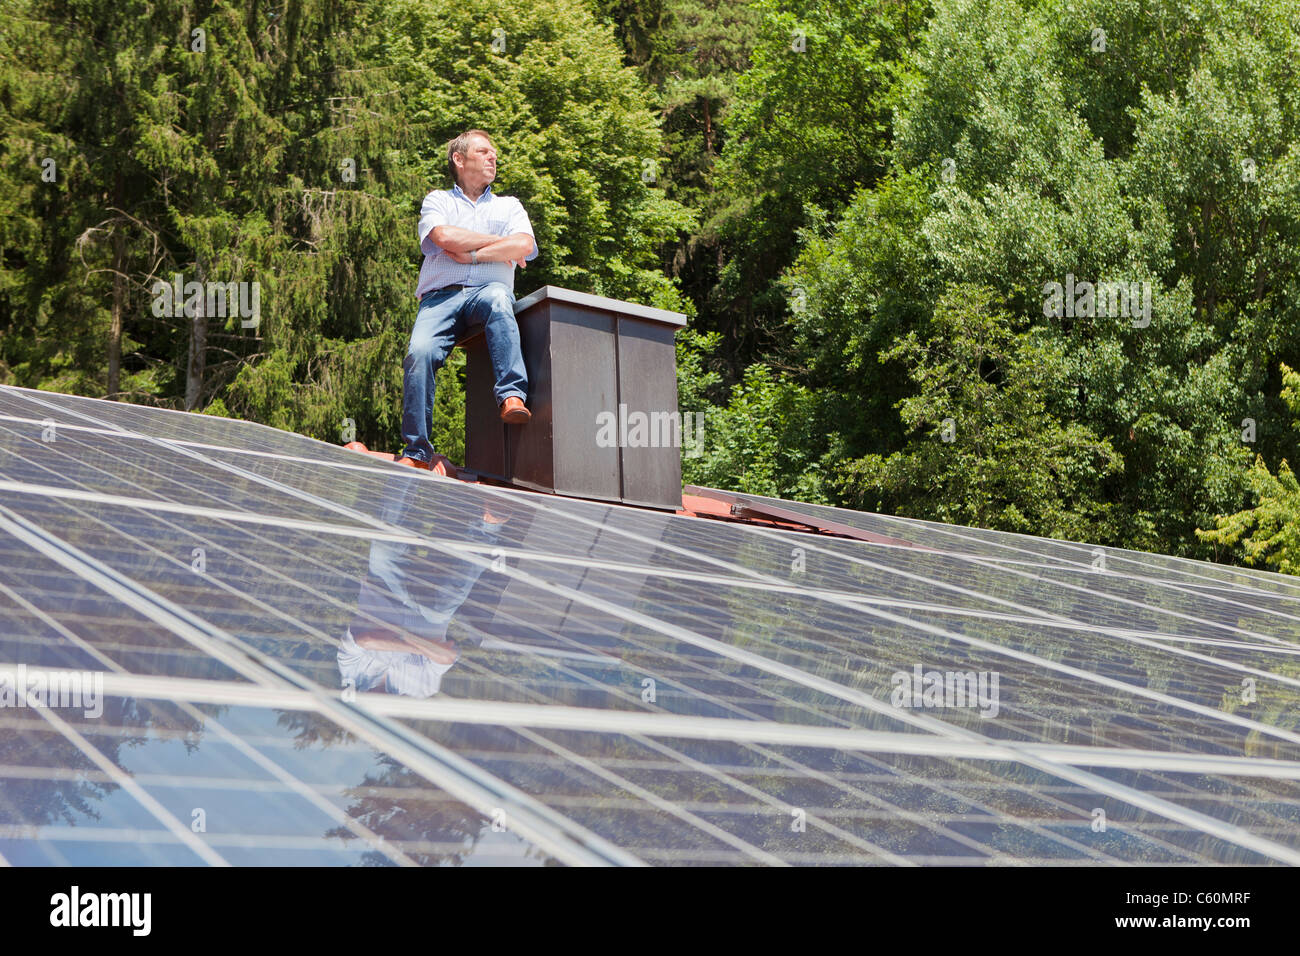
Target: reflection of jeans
(444,317)
(407,592)
(422,595)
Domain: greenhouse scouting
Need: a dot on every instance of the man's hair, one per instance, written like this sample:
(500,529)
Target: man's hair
(461,145)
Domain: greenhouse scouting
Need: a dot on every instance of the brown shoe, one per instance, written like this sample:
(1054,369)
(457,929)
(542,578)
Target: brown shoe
(513,411)
(441,465)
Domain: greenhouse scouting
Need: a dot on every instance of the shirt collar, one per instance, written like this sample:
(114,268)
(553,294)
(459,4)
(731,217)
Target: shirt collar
(457,191)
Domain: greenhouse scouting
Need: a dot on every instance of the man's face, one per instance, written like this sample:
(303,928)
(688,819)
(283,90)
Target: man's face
(480,162)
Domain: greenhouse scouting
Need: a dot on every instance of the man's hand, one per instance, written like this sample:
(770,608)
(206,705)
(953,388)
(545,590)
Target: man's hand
(466,260)
(511,249)
(455,239)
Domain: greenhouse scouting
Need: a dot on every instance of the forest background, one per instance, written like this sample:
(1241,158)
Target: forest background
(869,210)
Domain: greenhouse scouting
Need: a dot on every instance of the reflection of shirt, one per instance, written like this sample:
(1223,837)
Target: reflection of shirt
(413,675)
(493,215)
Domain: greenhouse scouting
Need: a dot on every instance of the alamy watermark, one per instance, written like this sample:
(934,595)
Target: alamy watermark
(22,686)
(920,688)
(1084,299)
(213,299)
(637,429)
(73,909)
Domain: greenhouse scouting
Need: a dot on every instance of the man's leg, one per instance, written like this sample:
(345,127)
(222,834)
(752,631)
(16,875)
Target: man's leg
(493,306)
(432,339)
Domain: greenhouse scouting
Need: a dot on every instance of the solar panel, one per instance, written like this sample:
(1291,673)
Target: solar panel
(224,643)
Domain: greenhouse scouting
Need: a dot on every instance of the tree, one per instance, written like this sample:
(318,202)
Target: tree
(1269,531)
(985,449)
(808,126)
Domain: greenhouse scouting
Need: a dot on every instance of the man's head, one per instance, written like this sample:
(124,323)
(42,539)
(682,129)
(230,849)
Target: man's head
(472,160)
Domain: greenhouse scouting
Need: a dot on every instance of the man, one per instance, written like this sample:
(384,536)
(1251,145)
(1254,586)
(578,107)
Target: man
(472,241)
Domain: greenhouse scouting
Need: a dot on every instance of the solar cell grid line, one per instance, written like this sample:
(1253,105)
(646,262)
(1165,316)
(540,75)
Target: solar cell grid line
(278,771)
(685,599)
(271,572)
(1176,811)
(123,589)
(284,778)
(923,820)
(980,804)
(192,511)
(74,409)
(704,728)
(663,804)
(604,773)
(1164,643)
(816,818)
(1168,700)
(1252,805)
(1007,708)
(359,463)
(1260,602)
(1131,796)
(1282,647)
(1147,833)
(771,802)
(926,819)
(185,625)
(1085,552)
(1248,806)
(274,814)
(442,488)
(822,546)
(726,779)
(803,542)
(332,463)
(169,822)
(69,463)
(852,739)
(664,683)
(1047,615)
(891,569)
(360,517)
(1144,605)
(1064,550)
(297,786)
(262,605)
(1145,638)
(1211,595)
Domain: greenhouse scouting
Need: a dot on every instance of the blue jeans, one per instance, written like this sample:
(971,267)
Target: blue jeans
(444,317)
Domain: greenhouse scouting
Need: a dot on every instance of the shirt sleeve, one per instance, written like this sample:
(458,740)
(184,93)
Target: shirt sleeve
(519,223)
(433,213)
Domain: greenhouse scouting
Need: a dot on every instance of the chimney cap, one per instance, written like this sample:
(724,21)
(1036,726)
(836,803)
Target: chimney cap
(601,303)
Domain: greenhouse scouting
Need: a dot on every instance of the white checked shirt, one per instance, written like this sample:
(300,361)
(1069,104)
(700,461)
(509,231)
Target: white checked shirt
(494,215)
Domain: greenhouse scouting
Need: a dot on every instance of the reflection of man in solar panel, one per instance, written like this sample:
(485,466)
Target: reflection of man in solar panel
(397,642)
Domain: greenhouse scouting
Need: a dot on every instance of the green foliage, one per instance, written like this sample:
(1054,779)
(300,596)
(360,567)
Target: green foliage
(984,447)
(756,443)
(1269,532)
(807,127)
(1024,155)
(293,151)
(864,223)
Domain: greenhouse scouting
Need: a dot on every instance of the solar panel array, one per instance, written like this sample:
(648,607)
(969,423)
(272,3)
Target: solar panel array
(272,650)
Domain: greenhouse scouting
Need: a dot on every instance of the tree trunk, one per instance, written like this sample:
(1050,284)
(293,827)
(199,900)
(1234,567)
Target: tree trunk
(198,349)
(119,304)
